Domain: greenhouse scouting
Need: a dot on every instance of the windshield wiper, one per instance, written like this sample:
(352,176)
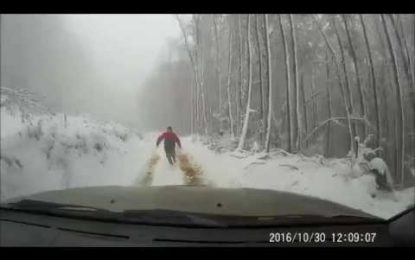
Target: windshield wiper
(177,218)
(145,217)
(171,217)
(42,206)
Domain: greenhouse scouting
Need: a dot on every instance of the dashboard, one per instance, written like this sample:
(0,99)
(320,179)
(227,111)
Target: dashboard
(19,228)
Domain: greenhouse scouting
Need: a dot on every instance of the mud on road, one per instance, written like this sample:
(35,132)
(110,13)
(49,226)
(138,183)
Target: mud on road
(150,167)
(191,170)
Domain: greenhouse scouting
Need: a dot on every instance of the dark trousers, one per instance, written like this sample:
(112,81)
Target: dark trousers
(170,153)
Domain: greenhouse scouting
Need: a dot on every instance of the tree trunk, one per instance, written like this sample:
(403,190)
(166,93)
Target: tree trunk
(194,69)
(413,56)
(248,102)
(191,112)
(314,104)
(204,111)
(239,96)
(347,88)
(401,119)
(374,83)
(356,70)
(401,32)
(408,66)
(245,54)
(413,48)
(201,70)
(406,43)
(218,70)
(269,73)
(288,81)
(258,43)
(410,76)
(228,89)
(197,112)
(412,91)
(401,49)
(301,85)
(337,71)
(328,106)
(296,84)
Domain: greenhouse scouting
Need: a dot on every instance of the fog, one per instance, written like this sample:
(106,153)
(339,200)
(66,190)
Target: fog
(85,63)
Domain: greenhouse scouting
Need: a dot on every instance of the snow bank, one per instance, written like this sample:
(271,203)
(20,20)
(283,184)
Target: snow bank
(51,152)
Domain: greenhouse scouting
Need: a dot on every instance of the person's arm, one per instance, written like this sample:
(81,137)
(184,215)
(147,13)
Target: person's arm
(178,141)
(161,137)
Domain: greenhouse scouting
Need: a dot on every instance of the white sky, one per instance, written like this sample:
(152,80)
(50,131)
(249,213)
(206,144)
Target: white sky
(121,52)
(124,46)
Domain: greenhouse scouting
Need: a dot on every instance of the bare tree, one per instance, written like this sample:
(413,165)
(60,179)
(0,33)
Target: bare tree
(347,87)
(337,71)
(313,101)
(373,81)
(356,71)
(240,86)
(305,118)
(299,129)
(406,59)
(194,67)
(401,32)
(269,74)
(248,102)
(228,89)
(328,105)
(218,62)
(288,81)
(401,119)
(200,69)
(261,87)
(402,49)
(412,57)
(409,70)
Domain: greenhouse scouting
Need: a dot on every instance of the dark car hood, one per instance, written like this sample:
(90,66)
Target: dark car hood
(197,199)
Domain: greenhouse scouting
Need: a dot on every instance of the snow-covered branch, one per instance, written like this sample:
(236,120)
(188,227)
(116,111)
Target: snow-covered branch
(336,120)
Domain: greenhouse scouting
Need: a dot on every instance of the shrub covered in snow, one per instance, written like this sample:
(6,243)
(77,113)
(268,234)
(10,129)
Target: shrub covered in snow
(52,151)
(21,101)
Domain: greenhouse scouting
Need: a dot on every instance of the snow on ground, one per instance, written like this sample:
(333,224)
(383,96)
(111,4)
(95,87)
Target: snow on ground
(331,180)
(47,153)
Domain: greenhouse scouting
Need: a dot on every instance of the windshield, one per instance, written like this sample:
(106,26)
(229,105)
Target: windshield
(321,106)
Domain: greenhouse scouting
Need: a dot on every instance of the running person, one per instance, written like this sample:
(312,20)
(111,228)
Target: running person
(170,140)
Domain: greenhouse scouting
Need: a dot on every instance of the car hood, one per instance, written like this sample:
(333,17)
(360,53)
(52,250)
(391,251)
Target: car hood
(197,199)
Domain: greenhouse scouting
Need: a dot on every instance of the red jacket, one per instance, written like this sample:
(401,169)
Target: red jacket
(169,136)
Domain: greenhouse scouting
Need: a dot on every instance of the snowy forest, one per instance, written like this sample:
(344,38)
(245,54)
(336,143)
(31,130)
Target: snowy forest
(309,84)
(312,104)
